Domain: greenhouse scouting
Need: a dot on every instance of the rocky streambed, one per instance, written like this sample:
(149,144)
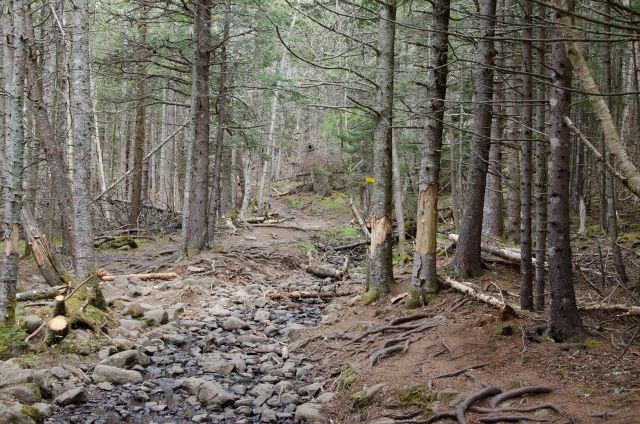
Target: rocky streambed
(227,355)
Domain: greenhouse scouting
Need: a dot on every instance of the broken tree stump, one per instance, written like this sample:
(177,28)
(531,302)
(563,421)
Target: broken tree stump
(59,308)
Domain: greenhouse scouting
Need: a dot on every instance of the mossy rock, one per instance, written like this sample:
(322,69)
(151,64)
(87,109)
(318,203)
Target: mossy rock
(11,341)
(33,413)
(371,296)
(122,241)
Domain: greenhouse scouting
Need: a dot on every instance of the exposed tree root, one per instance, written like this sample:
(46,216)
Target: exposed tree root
(387,351)
(463,406)
(521,391)
(409,318)
(460,371)
(533,408)
(510,419)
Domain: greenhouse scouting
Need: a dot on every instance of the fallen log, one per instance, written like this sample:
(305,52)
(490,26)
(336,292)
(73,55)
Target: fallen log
(306,295)
(483,297)
(40,294)
(495,250)
(632,310)
(359,220)
(326,272)
(144,277)
(350,246)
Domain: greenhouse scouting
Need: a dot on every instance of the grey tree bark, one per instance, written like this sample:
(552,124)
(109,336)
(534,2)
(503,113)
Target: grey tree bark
(380,267)
(196,197)
(467,261)
(14,32)
(423,274)
(564,318)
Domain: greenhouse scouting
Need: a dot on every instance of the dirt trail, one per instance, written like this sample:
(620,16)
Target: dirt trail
(213,347)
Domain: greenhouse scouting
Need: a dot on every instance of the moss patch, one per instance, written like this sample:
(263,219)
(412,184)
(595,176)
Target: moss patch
(306,246)
(348,377)
(33,413)
(11,340)
(417,397)
(414,300)
(591,343)
(370,296)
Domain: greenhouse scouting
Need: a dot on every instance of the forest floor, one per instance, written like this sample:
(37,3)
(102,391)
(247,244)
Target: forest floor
(212,346)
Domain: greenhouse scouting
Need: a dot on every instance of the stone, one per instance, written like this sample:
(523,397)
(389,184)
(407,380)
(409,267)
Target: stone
(234,323)
(218,311)
(365,397)
(262,389)
(105,352)
(122,344)
(132,324)
(60,373)
(12,413)
(446,394)
(126,359)
(215,363)
(31,323)
(199,418)
(73,397)
(134,310)
(11,374)
(207,392)
(116,375)
(268,416)
(23,394)
(105,385)
(309,412)
(157,316)
(326,397)
(44,409)
(261,315)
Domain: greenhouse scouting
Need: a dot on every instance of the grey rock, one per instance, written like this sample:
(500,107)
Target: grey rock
(207,392)
(326,397)
(215,363)
(309,412)
(126,359)
(157,316)
(60,373)
(105,385)
(22,394)
(262,389)
(261,315)
(105,352)
(134,310)
(11,413)
(447,394)
(233,323)
(218,311)
(268,416)
(12,374)
(116,375)
(44,409)
(31,323)
(365,398)
(73,397)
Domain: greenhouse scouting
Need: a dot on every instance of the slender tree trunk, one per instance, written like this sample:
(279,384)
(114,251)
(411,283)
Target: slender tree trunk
(168,150)
(564,320)
(423,274)
(541,178)
(214,205)
(467,261)
(138,144)
(398,202)
(196,198)
(380,271)
(13,168)
(526,249)
(247,177)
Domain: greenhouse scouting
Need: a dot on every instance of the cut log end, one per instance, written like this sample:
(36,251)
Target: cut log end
(58,328)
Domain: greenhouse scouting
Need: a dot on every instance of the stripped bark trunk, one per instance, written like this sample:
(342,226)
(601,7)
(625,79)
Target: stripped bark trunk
(467,258)
(380,268)
(423,274)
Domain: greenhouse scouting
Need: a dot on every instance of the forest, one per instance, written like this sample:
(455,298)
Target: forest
(319,211)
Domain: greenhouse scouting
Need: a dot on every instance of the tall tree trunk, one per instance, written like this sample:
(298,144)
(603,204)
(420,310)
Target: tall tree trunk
(541,177)
(168,150)
(138,144)
(380,272)
(13,168)
(423,274)
(467,261)
(221,104)
(398,198)
(196,198)
(526,268)
(564,320)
